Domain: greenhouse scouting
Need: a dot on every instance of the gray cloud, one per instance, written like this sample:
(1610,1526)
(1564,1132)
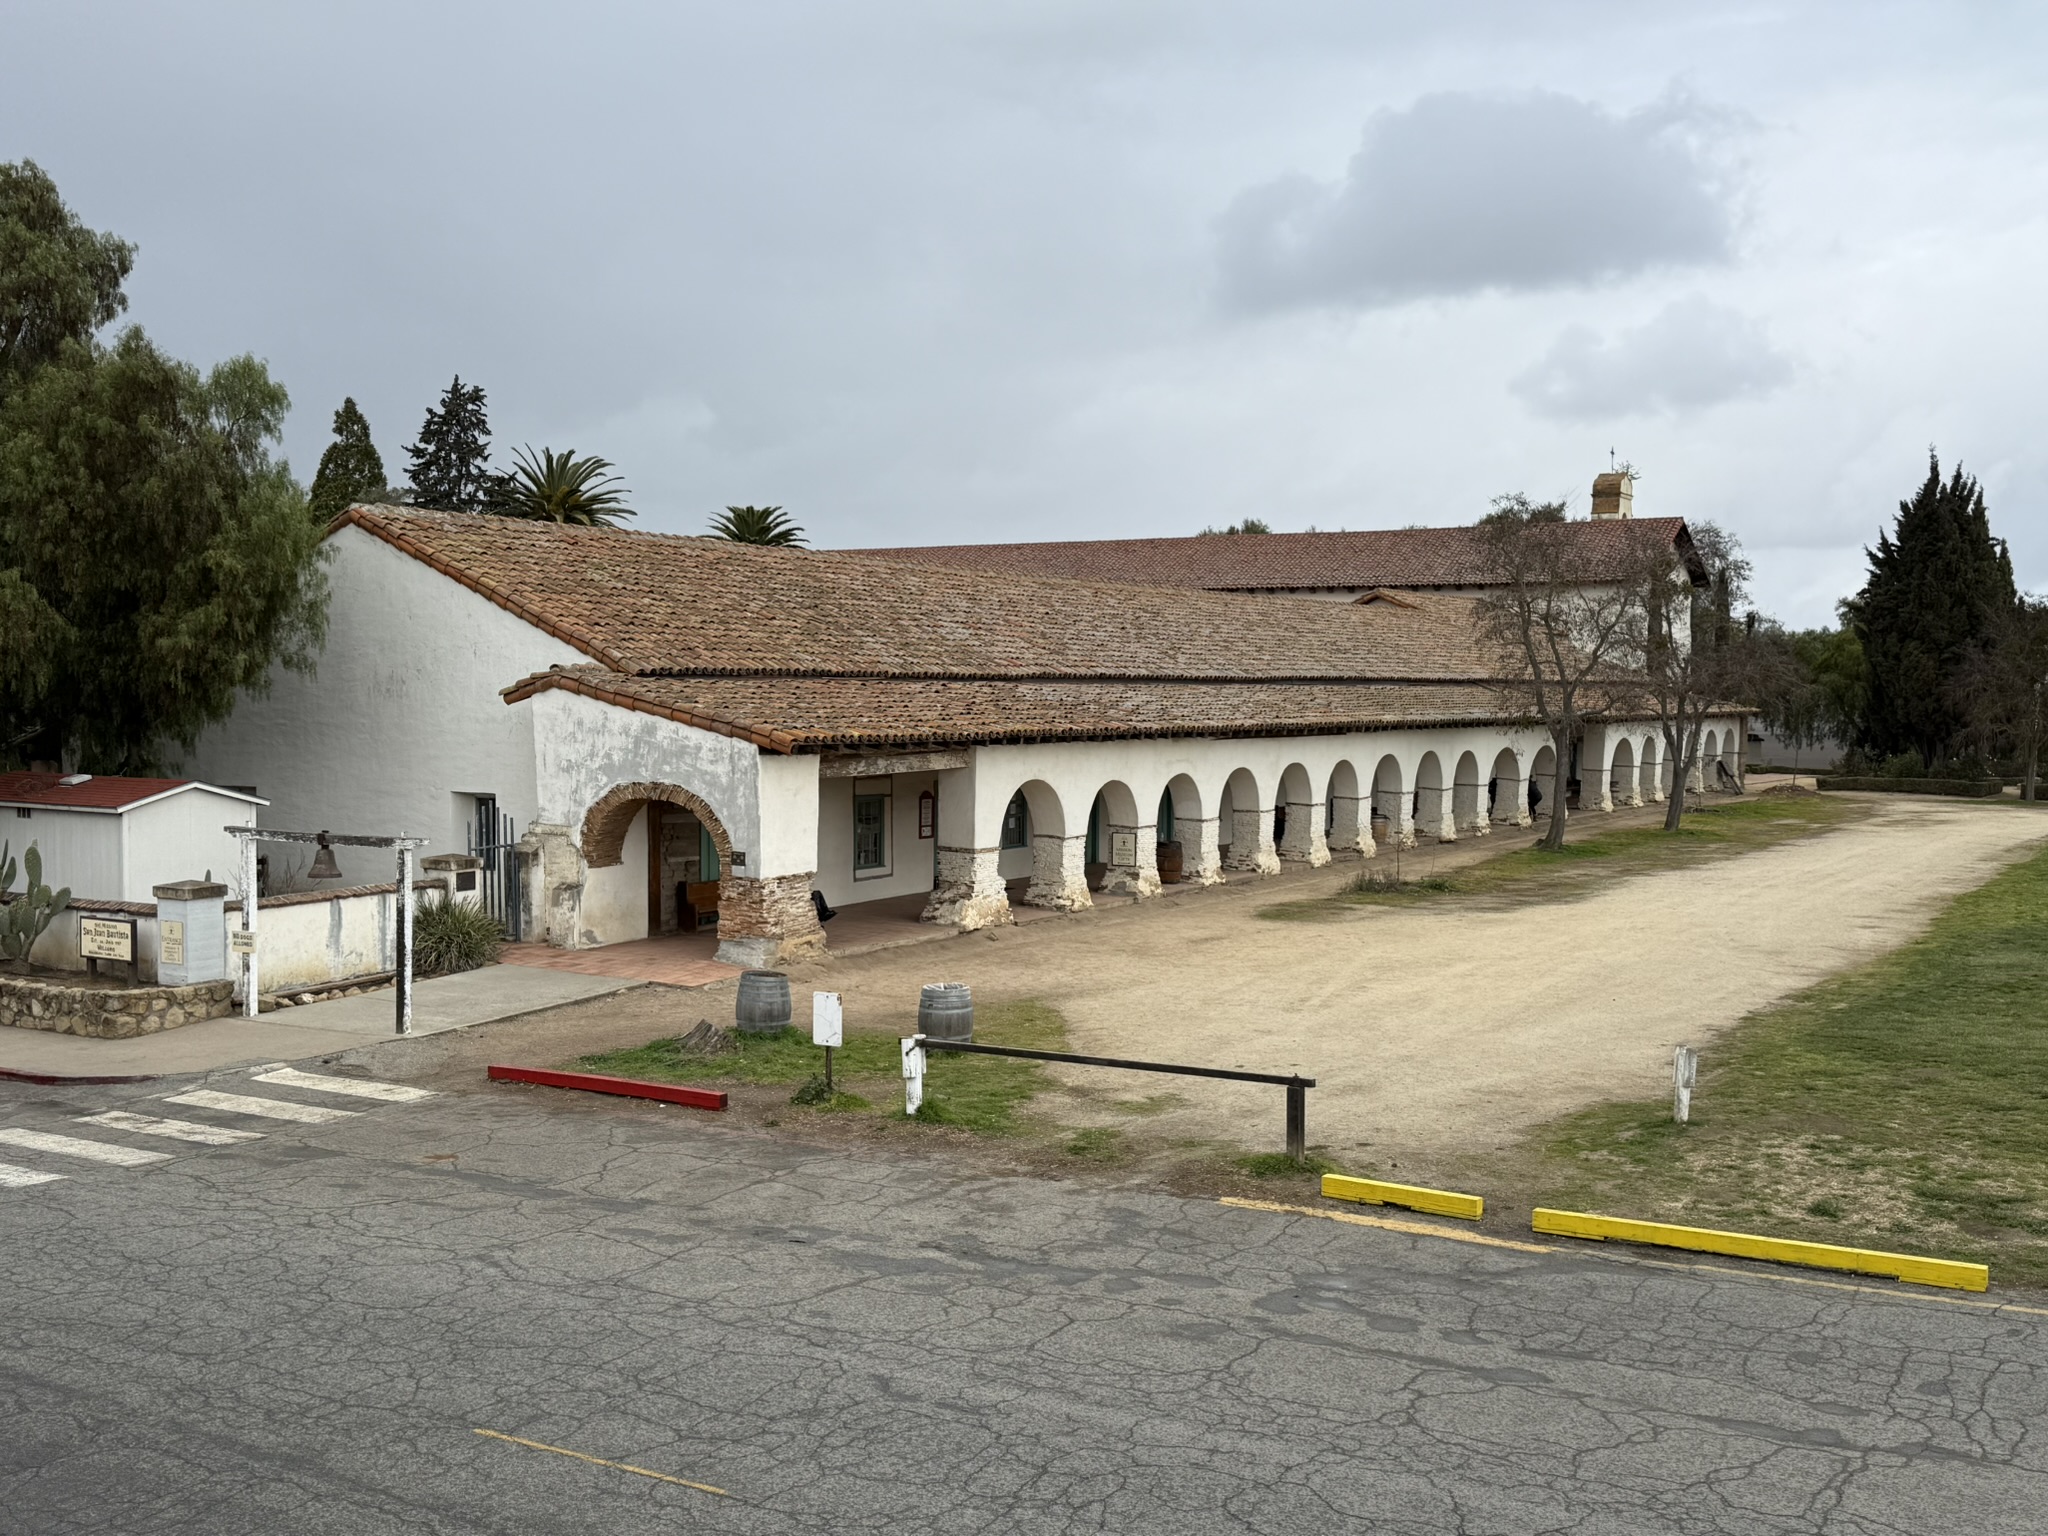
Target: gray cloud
(1459,193)
(1691,354)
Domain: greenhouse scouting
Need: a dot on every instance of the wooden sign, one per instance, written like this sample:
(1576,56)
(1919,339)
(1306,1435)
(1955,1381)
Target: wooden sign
(107,938)
(1123,849)
(242,941)
(828,1020)
(170,942)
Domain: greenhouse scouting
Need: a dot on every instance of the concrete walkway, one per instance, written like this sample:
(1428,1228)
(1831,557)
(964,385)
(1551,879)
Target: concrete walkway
(291,1034)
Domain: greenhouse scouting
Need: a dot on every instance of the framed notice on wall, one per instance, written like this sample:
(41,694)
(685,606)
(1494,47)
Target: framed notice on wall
(107,938)
(1123,848)
(170,942)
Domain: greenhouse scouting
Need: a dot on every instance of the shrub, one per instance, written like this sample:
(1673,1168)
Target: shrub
(450,936)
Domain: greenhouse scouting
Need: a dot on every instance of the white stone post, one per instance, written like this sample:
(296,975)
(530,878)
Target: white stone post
(1468,810)
(1398,812)
(1201,861)
(968,890)
(1434,816)
(1140,875)
(1511,799)
(1251,842)
(1345,835)
(1059,873)
(1305,842)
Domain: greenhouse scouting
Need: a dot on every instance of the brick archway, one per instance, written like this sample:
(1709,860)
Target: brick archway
(606,822)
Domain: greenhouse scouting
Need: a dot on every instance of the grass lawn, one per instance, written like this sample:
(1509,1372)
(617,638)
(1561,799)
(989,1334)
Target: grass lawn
(987,1094)
(1588,860)
(1902,1105)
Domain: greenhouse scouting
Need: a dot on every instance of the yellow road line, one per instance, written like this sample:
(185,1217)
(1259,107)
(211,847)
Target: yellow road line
(1437,1202)
(1950,1273)
(1388,1224)
(599,1461)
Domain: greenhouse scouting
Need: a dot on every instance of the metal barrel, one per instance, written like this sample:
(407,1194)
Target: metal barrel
(762,1006)
(945,1011)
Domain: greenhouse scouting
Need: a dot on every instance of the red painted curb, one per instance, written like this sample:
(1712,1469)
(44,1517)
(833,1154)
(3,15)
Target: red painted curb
(52,1080)
(624,1087)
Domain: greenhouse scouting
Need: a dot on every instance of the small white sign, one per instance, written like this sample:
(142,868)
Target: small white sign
(242,941)
(106,938)
(913,1073)
(828,1021)
(170,942)
(1123,849)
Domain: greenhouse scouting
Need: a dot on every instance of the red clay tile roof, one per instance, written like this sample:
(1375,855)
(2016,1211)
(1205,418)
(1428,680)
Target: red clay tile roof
(101,792)
(801,650)
(1272,562)
(791,714)
(651,603)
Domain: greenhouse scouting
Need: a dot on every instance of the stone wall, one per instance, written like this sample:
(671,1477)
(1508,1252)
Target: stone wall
(109,1013)
(767,922)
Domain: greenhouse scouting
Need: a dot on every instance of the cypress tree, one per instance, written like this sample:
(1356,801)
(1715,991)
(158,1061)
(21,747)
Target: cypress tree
(450,461)
(1939,585)
(351,469)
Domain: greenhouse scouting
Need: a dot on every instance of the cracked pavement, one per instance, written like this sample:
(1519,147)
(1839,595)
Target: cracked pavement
(303,1334)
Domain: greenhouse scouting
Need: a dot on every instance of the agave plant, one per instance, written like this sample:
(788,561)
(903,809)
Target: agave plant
(560,488)
(25,916)
(757,525)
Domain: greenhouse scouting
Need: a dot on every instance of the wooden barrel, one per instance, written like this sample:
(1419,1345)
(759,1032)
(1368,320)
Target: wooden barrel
(1170,869)
(945,1011)
(763,1004)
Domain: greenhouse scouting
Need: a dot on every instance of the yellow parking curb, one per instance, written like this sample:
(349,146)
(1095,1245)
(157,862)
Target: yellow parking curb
(1438,1202)
(1950,1273)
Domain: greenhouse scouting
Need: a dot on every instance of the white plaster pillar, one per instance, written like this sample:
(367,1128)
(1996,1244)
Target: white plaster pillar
(1345,836)
(1627,782)
(1059,873)
(1305,842)
(1434,816)
(1695,778)
(1140,875)
(1201,862)
(1397,810)
(1651,773)
(1251,842)
(967,889)
(1511,800)
(1468,810)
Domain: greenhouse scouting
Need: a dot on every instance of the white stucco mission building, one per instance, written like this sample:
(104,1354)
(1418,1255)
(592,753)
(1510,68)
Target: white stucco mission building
(677,724)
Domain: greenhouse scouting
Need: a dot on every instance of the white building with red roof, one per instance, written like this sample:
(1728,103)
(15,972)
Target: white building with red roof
(114,838)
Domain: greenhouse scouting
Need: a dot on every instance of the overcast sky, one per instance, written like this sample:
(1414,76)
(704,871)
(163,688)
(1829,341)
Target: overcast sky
(940,272)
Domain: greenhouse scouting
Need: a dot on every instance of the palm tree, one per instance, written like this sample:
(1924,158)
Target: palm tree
(560,488)
(757,525)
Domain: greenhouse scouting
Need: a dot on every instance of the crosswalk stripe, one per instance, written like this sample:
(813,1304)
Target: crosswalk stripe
(76,1146)
(180,1130)
(12,1177)
(390,1093)
(269,1109)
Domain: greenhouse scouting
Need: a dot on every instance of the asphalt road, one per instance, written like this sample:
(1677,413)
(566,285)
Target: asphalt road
(305,1333)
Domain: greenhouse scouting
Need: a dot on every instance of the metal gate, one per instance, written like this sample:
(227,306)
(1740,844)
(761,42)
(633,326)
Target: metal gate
(492,839)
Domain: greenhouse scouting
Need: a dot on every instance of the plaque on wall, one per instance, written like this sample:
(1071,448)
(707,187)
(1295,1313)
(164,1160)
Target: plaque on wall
(1123,848)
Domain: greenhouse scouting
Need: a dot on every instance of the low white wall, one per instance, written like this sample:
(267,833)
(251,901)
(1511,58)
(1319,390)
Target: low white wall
(301,940)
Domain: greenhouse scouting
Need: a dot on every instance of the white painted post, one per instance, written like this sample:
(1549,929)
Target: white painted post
(403,913)
(251,1007)
(913,1074)
(1685,1065)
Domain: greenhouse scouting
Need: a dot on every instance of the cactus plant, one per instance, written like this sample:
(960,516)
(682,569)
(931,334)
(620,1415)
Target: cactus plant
(26,915)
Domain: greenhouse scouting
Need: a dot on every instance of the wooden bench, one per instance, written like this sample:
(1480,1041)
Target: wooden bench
(698,908)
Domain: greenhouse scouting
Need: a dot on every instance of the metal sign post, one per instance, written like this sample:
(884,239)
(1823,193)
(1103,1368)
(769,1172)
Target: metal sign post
(244,941)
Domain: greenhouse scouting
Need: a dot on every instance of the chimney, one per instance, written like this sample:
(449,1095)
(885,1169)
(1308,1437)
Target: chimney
(1613,494)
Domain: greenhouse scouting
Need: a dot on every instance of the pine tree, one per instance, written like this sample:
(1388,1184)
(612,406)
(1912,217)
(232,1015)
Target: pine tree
(351,470)
(1939,586)
(450,460)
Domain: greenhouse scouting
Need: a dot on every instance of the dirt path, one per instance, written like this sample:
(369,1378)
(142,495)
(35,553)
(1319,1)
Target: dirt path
(1445,1030)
